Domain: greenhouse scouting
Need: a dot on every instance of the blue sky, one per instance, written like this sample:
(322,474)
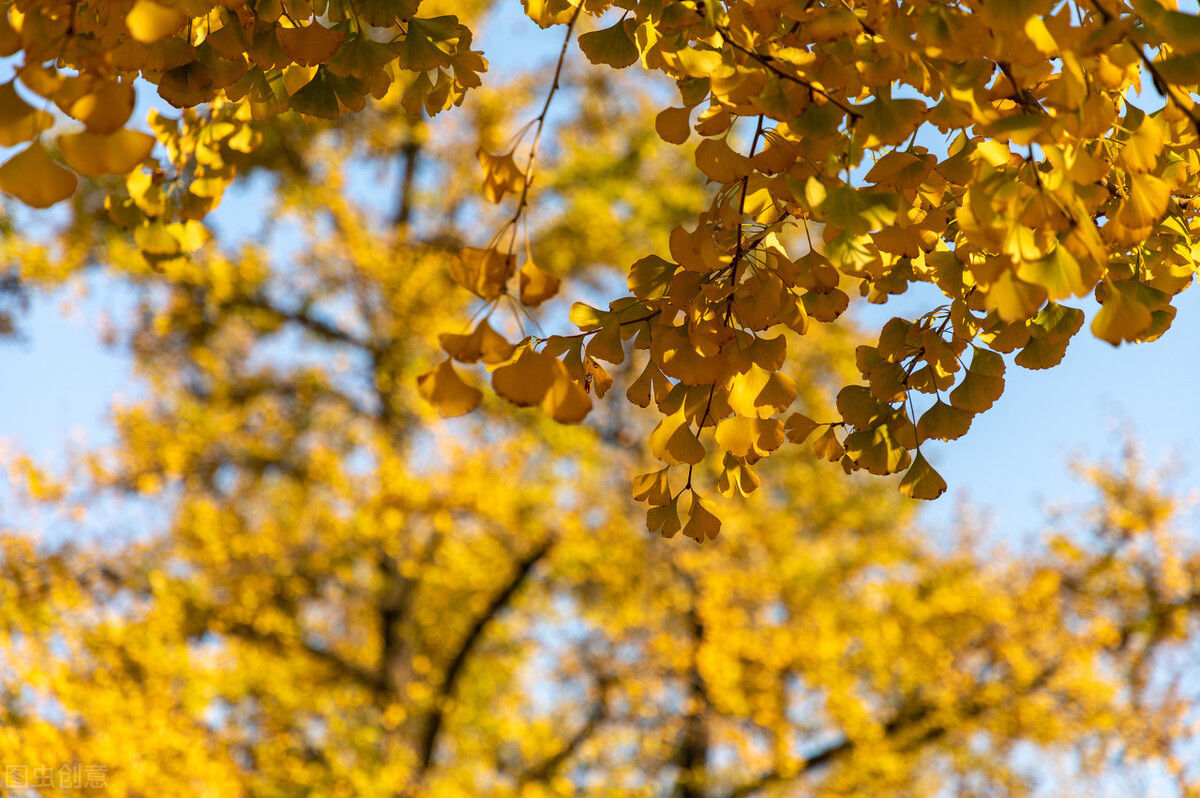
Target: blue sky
(61,381)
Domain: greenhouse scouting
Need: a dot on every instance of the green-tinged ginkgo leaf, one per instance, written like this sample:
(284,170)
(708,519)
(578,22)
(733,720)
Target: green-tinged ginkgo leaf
(613,45)
(921,481)
(33,177)
(1146,201)
(148,21)
(105,154)
(876,450)
(859,408)
(888,121)
(1123,315)
(1014,299)
(702,523)
(429,43)
(446,391)
(1050,331)
(19,121)
(1057,272)
(983,383)
(674,442)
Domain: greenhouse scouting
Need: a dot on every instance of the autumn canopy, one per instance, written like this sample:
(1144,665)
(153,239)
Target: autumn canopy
(631,265)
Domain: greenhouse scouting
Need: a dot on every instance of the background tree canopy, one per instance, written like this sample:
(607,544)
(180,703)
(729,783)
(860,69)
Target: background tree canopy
(336,592)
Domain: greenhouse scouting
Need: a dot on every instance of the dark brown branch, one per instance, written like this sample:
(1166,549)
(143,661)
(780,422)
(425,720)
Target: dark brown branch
(427,748)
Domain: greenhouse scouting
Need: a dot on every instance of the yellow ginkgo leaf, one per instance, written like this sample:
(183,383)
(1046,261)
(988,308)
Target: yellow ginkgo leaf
(1014,299)
(311,44)
(654,487)
(719,163)
(702,523)
(1146,203)
(483,272)
(19,121)
(483,343)
(149,21)
(673,441)
(103,106)
(737,478)
(98,154)
(33,177)
(944,422)
(446,391)
(799,427)
(664,519)
(526,381)
(673,125)
(536,284)
(613,46)
(500,175)
(921,481)
(745,437)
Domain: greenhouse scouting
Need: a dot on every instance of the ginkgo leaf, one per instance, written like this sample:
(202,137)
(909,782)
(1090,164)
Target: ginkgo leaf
(1122,315)
(500,175)
(744,437)
(702,523)
(102,109)
(888,121)
(98,154)
(429,43)
(1014,299)
(34,178)
(737,478)
(719,163)
(876,450)
(538,379)
(536,284)
(674,442)
(613,45)
(664,519)
(1141,150)
(19,121)
(1147,200)
(596,377)
(921,481)
(483,272)
(483,343)
(673,125)
(310,44)
(943,422)
(827,446)
(446,391)
(983,384)
(799,427)
(654,487)
(148,21)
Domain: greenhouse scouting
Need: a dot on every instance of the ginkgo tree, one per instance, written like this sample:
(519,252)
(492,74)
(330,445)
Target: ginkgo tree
(1012,156)
(338,593)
